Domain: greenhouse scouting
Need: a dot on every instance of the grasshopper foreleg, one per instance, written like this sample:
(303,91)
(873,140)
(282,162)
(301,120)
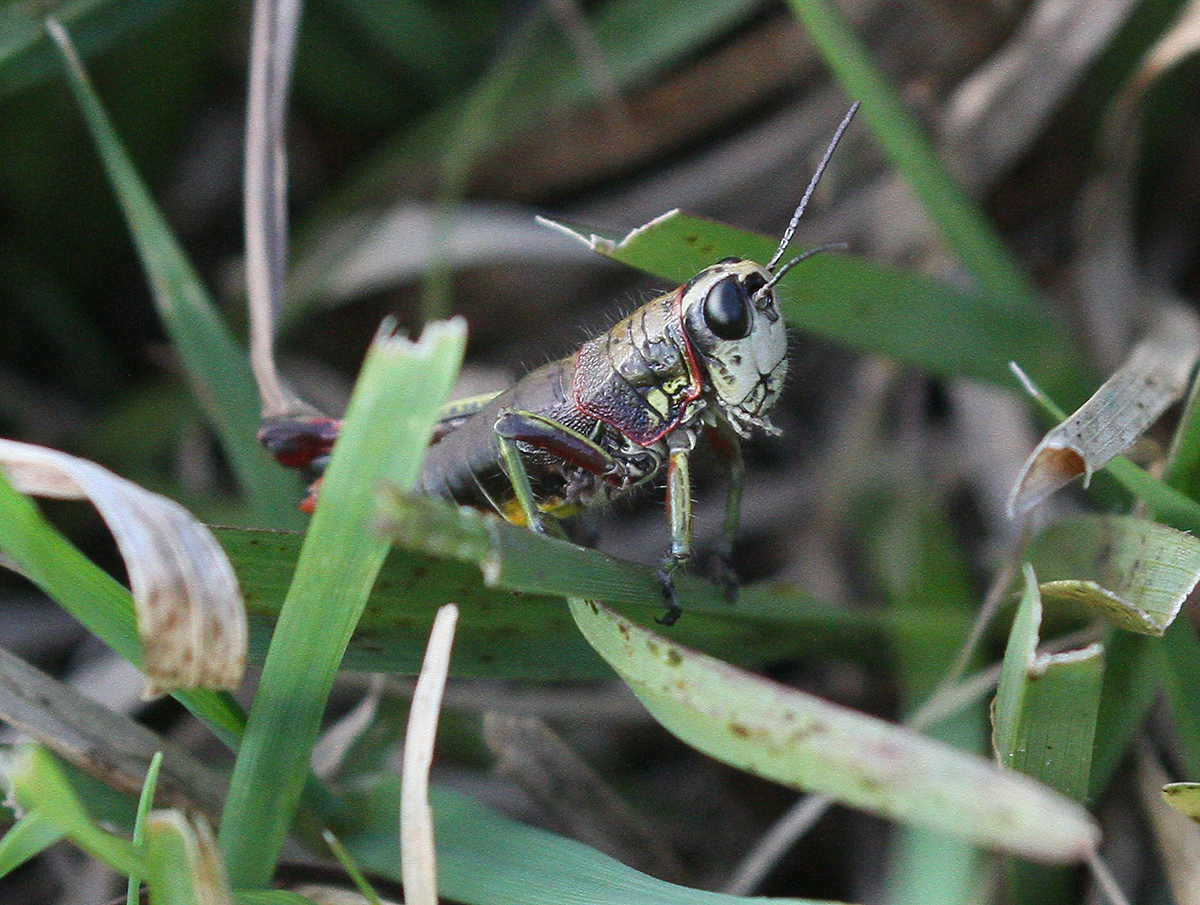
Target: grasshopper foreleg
(679,514)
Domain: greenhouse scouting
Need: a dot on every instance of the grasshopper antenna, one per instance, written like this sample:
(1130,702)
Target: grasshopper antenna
(803,256)
(812,185)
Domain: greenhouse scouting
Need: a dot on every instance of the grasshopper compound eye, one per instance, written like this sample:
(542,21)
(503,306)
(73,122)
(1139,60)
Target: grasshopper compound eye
(727,310)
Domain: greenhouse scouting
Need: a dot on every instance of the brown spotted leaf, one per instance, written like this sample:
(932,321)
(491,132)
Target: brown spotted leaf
(190,615)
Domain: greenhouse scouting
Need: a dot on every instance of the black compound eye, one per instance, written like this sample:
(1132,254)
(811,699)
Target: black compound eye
(727,310)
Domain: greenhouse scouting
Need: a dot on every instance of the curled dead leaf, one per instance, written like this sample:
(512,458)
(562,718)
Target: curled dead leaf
(190,616)
(1154,376)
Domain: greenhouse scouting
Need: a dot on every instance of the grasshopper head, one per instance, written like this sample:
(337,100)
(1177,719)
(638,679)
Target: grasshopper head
(733,322)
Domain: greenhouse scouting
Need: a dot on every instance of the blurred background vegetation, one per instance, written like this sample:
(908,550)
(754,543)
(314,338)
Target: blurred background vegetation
(424,137)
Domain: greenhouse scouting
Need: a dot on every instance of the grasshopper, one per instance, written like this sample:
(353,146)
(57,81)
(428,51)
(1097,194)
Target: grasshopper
(707,359)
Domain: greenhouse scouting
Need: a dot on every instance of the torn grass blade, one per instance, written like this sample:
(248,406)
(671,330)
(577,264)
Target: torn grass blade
(916,320)
(183,864)
(1135,573)
(1154,376)
(1044,718)
(1170,506)
(1184,797)
(190,616)
(390,419)
(807,743)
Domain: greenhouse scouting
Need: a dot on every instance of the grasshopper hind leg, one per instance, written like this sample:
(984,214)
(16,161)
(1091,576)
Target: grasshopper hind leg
(547,435)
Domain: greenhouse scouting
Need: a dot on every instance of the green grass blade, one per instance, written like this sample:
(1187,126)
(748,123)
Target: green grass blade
(518,627)
(93,597)
(1045,720)
(39,784)
(1179,673)
(962,224)
(486,859)
(183,866)
(1135,573)
(26,57)
(769,621)
(145,805)
(870,308)
(388,424)
(26,839)
(270,897)
(214,363)
(1046,706)
(806,743)
(1131,684)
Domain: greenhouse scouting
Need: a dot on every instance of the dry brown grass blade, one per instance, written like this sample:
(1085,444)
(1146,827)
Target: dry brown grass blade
(101,742)
(272,50)
(190,615)
(1153,377)
(998,112)
(418,863)
(579,802)
(1106,268)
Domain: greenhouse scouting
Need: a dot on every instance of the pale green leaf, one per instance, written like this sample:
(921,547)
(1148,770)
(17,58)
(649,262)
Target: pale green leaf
(806,743)
(1133,572)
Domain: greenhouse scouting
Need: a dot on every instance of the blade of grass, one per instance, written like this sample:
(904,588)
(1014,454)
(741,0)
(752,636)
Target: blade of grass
(518,627)
(963,226)
(1183,464)
(1170,506)
(37,781)
(920,321)
(488,859)
(1131,685)
(1135,573)
(31,835)
(1179,673)
(183,864)
(145,804)
(26,58)
(1046,706)
(389,422)
(768,621)
(215,365)
(1045,722)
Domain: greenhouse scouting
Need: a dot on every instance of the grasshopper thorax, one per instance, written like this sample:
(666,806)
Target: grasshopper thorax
(736,330)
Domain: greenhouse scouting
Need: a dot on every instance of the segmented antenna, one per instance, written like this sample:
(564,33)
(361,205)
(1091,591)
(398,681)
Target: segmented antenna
(803,256)
(812,185)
